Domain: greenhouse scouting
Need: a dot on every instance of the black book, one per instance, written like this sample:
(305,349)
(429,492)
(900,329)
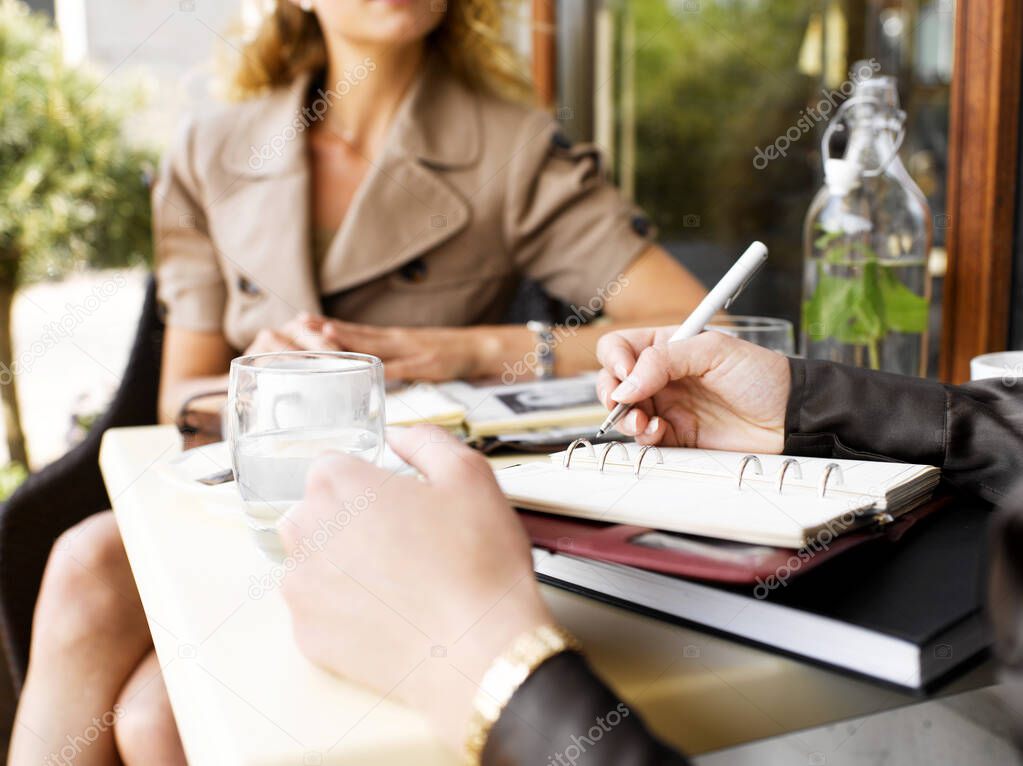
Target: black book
(906,613)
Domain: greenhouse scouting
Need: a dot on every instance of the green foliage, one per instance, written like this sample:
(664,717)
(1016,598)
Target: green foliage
(73,190)
(11,476)
(711,84)
(863,307)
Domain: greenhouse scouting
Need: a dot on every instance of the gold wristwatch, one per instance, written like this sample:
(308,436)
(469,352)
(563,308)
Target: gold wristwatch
(504,677)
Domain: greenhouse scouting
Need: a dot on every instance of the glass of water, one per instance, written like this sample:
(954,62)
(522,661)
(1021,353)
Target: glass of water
(284,411)
(775,334)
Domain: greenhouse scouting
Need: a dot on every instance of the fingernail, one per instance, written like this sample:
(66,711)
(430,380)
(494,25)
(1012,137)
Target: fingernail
(621,371)
(629,425)
(652,426)
(625,388)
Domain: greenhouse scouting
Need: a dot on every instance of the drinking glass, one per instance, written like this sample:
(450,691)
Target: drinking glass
(775,334)
(285,410)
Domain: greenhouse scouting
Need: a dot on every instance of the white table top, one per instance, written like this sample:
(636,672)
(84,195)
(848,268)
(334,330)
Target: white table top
(243,694)
(977,726)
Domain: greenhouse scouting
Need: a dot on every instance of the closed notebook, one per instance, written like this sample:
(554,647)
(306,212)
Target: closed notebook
(484,411)
(533,405)
(780,501)
(423,403)
(906,616)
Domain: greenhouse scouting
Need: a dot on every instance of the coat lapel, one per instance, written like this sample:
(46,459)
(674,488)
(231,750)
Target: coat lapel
(405,207)
(402,209)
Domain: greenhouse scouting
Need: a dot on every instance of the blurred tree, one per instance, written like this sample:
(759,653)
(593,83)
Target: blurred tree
(73,189)
(706,85)
(715,80)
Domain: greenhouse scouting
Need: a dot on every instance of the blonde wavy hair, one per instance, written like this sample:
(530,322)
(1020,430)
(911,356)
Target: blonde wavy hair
(288,42)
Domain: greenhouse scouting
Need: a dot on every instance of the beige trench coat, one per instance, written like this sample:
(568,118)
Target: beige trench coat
(470,194)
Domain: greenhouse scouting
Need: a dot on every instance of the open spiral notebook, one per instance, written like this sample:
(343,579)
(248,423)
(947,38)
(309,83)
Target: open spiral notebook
(766,499)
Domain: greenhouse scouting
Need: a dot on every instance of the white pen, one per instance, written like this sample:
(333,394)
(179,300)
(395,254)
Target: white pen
(720,298)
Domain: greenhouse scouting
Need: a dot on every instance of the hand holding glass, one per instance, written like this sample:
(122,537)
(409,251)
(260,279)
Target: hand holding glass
(284,411)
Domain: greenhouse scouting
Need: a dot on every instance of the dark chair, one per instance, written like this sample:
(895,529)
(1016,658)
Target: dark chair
(69,490)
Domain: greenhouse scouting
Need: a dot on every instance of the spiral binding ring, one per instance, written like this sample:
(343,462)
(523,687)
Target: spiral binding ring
(567,460)
(828,469)
(642,454)
(784,469)
(745,462)
(607,451)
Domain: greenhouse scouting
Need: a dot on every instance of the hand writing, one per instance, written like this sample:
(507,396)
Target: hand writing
(710,391)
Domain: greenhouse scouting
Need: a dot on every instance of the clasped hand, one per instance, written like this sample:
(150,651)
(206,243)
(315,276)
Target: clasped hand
(408,353)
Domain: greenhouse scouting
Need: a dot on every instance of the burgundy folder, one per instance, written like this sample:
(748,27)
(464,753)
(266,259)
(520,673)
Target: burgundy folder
(702,558)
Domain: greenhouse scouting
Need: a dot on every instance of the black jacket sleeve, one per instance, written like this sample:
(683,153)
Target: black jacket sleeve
(1005,600)
(974,433)
(563,714)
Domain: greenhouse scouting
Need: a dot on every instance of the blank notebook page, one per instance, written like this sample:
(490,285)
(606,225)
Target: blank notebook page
(696,492)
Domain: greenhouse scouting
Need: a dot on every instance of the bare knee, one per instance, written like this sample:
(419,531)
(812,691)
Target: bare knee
(145,730)
(88,595)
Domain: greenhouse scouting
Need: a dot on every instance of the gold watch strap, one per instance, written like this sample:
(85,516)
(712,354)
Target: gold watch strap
(504,677)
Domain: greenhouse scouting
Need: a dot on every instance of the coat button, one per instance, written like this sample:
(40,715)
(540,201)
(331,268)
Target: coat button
(641,225)
(414,271)
(560,141)
(248,287)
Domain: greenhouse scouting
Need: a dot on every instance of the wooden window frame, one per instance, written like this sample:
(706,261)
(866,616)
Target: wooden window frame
(983,179)
(545,51)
